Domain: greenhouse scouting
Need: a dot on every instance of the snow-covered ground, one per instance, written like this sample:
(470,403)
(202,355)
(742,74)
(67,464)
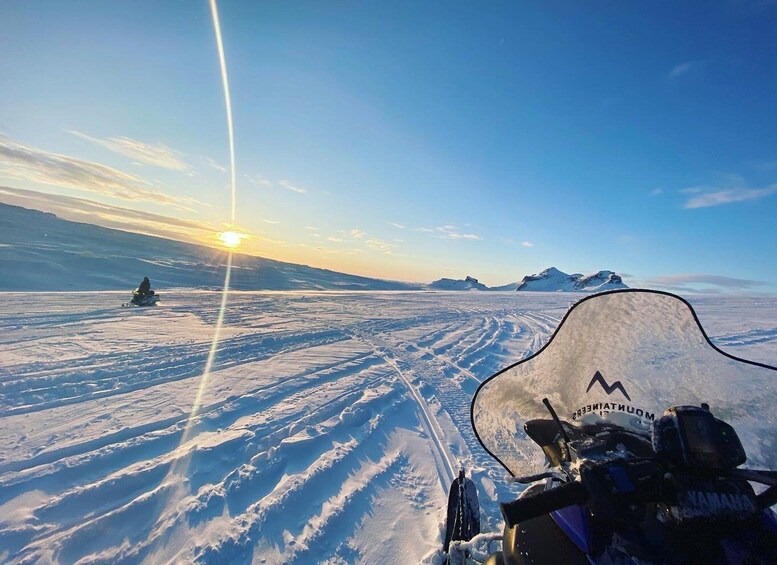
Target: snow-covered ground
(328,429)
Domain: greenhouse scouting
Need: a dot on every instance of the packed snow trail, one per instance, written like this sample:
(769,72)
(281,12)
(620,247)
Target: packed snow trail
(329,430)
(448,471)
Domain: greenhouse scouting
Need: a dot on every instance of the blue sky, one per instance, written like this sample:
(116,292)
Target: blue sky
(411,140)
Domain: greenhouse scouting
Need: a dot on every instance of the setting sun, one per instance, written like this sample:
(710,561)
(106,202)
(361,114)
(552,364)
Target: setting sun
(231,239)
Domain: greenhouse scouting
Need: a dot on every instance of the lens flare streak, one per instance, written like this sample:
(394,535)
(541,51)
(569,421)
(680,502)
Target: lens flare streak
(211,354)
(182,464)
(227,99)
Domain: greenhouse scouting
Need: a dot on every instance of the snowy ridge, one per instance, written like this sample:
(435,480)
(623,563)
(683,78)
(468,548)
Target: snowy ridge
(41,252)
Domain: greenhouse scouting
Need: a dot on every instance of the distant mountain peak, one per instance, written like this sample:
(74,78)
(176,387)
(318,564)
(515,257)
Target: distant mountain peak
(549,280)
(468,283)
(551,271)
(554,280)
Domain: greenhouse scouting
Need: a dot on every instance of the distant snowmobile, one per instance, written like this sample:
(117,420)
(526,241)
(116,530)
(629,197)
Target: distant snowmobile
(139,299)
(143,295)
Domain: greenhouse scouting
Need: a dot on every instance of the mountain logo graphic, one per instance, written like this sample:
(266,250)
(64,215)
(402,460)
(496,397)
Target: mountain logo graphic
(598,378)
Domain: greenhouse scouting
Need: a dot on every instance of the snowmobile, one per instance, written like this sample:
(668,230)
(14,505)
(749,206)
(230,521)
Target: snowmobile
(631,428)
(140,299)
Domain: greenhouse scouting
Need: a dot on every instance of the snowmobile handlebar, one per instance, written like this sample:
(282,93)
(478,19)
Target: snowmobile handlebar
(544,502)
(630,481)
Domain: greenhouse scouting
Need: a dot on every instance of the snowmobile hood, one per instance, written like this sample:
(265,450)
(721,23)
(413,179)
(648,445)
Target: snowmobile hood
(623,357)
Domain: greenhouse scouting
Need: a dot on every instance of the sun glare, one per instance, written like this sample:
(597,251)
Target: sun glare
(231,239)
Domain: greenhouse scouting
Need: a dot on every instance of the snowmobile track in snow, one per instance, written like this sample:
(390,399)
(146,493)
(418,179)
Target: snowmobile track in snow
(330,421)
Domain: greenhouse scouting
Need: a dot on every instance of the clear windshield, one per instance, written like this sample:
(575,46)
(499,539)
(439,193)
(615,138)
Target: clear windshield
(624,357)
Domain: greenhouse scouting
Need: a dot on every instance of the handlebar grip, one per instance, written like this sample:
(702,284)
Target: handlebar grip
(544,502)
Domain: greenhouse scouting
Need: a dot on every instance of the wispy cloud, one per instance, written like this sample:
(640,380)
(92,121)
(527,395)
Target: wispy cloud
(656,192)
(268,221)
(25,162)
(527,244)
(156,154)
(127,219)
(259,180)
(82,210)
(288,186)
(717,197)
(265,239)
(213,164)
(396,225)
(452,232)
(357,233)
(696,282)
(380,245)
(684,69)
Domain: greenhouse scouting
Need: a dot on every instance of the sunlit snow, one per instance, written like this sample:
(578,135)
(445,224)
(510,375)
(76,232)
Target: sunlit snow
(329,428)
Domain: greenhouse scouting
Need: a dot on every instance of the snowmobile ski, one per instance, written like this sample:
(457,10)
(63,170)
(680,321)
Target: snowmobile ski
(463,522)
